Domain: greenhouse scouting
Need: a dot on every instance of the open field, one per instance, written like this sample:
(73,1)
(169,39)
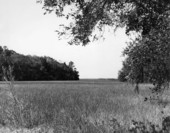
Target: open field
(85,106)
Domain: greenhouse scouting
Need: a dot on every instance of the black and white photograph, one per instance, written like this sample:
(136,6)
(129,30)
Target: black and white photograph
(84,66)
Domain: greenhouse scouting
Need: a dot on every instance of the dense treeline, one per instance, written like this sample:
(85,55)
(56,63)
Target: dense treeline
(142,72)
(35,68)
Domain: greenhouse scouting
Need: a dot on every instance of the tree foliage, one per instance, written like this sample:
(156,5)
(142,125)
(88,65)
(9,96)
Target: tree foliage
(135,15)
(150,57)
(34,67)
(124,72)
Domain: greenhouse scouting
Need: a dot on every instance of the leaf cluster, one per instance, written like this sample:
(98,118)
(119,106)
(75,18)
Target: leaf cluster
(136,15)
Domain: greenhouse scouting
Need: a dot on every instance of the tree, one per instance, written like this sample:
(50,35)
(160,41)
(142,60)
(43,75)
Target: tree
(122,76)
(5,62)
(71,65)
(135,15)
(150,56)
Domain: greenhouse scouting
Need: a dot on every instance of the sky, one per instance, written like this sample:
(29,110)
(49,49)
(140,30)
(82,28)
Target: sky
(25,29)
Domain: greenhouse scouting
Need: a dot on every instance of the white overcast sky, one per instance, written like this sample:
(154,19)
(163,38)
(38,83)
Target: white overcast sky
(25,29)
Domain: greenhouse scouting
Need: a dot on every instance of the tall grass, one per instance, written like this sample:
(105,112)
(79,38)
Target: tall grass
(80,107)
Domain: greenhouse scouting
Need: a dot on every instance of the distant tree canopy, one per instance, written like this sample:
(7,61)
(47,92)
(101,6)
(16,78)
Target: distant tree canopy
(35,68)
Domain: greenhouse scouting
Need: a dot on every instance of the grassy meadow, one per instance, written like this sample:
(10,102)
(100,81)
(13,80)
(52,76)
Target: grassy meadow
(85,106)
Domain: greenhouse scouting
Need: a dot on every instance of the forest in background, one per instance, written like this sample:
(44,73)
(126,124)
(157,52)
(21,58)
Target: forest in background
(30,68)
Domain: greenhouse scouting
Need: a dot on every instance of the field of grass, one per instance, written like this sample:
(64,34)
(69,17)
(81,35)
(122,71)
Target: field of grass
(85,106)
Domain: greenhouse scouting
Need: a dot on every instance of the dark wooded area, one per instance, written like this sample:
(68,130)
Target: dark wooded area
(34,67)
